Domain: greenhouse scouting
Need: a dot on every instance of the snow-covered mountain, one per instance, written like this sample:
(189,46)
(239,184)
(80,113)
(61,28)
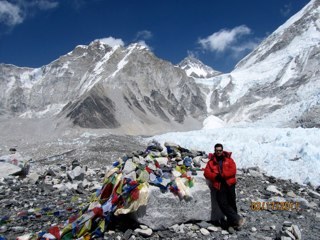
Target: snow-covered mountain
(197,69)
(278,84)
(98,86)
(129,88)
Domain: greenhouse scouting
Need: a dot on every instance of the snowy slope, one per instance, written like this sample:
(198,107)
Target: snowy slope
(278,84)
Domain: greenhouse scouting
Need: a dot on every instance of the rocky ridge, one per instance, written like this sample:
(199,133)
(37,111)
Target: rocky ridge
(98,86)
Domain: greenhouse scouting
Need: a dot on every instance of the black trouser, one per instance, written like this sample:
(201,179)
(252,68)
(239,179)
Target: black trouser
(226,198)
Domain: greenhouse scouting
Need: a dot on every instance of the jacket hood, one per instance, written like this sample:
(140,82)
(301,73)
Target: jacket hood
(227,154)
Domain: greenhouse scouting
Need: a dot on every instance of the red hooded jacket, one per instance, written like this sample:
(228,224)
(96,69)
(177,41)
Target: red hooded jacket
(228,173)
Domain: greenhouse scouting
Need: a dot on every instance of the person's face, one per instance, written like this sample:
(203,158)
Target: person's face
(218,151)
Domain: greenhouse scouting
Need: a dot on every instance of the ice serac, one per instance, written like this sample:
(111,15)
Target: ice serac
(197,69)
(278,83)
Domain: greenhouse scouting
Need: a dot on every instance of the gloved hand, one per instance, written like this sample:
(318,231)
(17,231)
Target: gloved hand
(219,178)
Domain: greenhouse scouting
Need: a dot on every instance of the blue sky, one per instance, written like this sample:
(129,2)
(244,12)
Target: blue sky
(218,32)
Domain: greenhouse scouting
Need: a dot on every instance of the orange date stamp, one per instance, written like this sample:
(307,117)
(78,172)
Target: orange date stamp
(275,206)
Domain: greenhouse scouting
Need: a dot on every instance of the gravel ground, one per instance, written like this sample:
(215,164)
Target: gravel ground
(32,207)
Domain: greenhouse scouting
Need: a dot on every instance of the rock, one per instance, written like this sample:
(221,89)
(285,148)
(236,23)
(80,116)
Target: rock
(162,161)
(255,173)
(144,227)
(197,161)
(231,230)
(166,209)
(75,163)
(287,224)
(33,177)
(181,228)
(253,229)
(266,228)
(253,168)
(277,199)
(18,229)
(224,232)
(3,229)
(291,194)
(76,174)
(302,202)
(288,233)
(144,232)
(165,234)
(204,232)
(204,224)
(285,238)
(191,235)
(127,234)
(313,205)
(239,172)
(314,194)
(273,188)
(85,183)
(174,228)
(7,169)
(296,232)
(267,238)
(25,237)
(213,229)
(50,172)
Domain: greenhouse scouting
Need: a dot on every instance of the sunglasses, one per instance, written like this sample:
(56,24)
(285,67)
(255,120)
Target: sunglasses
(218,150)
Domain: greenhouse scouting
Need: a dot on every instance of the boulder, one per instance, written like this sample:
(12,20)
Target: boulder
(165,209)
(7,169)
(76,174)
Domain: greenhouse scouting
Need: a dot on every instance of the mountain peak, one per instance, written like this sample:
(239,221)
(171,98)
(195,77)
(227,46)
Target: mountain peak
(298,34)
(138,46)
(197,69)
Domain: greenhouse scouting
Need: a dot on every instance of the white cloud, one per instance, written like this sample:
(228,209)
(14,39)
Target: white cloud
(44,4)
(10,14)
(111,41)
(224,39)
(193,54)
(145,34)
(15,13)
(77,4)
(286,10)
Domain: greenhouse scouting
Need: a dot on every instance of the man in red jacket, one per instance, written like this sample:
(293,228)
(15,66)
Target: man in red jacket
(221,173)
